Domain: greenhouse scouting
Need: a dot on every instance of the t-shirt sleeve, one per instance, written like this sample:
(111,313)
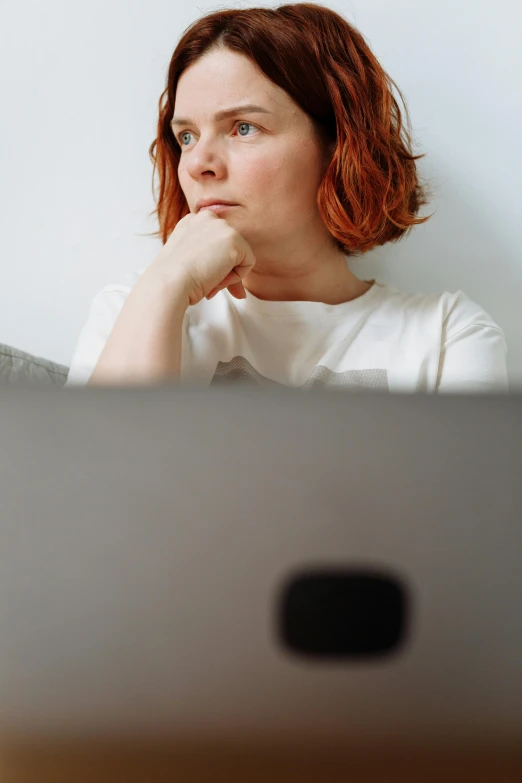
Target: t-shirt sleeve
(103,313)
(473,354)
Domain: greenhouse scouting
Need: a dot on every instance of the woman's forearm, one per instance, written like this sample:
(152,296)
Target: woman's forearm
(144,346)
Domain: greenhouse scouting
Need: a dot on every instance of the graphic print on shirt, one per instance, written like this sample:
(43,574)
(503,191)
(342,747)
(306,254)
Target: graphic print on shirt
(239,370)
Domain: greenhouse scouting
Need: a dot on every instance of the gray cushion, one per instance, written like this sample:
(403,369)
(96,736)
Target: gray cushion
(18,367)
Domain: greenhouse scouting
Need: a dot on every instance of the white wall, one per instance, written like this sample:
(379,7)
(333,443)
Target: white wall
(80,84)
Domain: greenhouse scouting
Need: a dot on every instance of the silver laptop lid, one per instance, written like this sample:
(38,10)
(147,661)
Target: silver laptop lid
(151,537)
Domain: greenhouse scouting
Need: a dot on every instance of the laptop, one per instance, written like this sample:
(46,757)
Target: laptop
(337,569)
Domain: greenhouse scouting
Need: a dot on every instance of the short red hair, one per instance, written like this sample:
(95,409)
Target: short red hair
(370,193)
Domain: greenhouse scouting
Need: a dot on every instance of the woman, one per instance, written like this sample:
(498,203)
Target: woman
(287,114)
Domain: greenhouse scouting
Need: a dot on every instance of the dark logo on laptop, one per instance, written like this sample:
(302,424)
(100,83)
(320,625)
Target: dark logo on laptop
(348,613)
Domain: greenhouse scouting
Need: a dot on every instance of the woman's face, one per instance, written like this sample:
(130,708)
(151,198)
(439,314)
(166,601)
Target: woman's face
(269,163)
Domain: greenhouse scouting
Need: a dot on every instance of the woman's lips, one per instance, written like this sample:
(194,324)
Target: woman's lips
(218,207)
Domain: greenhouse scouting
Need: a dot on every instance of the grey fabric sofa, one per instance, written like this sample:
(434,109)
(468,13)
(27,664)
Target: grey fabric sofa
(21,368)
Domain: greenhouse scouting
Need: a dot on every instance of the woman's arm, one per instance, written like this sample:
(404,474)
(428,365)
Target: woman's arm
(144,346)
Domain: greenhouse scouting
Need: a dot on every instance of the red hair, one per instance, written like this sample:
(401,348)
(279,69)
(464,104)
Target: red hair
(370,193)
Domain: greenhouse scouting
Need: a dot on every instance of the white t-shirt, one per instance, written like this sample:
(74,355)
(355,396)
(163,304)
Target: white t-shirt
(384,339)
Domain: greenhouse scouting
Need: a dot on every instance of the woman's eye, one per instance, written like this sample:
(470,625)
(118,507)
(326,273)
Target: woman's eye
(187,133)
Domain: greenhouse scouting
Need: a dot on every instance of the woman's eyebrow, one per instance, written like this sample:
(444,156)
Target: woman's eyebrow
(248,108)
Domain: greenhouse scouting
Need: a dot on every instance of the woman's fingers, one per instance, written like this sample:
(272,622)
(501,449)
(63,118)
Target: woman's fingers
(233,282)
(237,290)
